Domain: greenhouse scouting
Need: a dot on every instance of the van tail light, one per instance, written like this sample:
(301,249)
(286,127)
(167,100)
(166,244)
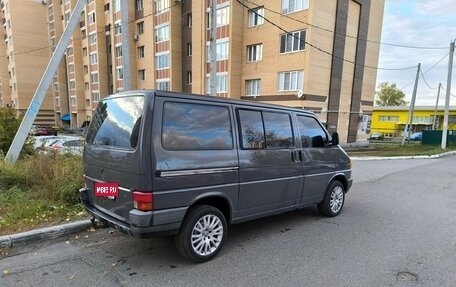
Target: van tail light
(143,201)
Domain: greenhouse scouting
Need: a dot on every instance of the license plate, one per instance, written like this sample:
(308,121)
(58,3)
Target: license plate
(106,189)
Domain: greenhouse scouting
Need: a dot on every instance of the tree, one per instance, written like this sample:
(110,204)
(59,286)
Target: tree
(388,95)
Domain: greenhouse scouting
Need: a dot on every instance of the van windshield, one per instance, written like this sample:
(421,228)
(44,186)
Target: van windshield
(116,122)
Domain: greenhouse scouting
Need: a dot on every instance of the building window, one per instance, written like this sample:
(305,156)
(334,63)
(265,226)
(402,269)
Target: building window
(255,53)
(292,42)
(140,28)
(95,96)
(189,77)
(139,5)
(290,81)
(92,39)
(222,17)
(221,84)
(106,8)
(141,53)
(57,102)
(290,6)
(118,51)
(94,77)
(91,18)
(189,49)
(391,119)
(142,75)
(189,19)
(117,28)
(253,87)
(119,73)
(73,101)
(221,50)
(93,58)
(116,5)
(86,69)
(56,87)
(162,84)
(72,85)
(86,86)
(162,34)
(161,6)
(70,68)
(87,103)
(256,16)
(162,61)
(70,51)
(84,52)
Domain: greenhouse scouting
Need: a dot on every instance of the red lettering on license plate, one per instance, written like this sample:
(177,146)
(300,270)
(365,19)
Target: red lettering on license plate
(105,189)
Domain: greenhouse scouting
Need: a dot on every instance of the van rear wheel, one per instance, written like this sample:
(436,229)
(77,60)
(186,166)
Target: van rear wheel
(202,234)
(334,199)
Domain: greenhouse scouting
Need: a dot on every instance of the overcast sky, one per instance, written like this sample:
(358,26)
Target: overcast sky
(422,23)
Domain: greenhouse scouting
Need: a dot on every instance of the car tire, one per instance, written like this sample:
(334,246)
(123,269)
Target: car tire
(202,233)
(334,199)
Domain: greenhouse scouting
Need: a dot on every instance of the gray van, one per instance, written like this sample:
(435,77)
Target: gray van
(161,163)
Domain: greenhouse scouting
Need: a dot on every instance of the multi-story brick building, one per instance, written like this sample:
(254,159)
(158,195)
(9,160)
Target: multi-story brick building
(302,53)
(24,56)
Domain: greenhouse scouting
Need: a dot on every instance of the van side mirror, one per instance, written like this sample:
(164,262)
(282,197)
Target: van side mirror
(335,138)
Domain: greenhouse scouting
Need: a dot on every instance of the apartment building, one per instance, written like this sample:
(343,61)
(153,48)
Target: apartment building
(309,54)
(24,56)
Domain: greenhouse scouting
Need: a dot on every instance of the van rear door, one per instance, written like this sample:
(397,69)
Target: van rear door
(113,153)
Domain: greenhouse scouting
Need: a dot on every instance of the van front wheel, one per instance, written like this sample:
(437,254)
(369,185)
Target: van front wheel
(202,234)
(334,199)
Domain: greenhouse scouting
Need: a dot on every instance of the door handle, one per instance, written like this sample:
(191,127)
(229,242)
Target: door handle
(296,156)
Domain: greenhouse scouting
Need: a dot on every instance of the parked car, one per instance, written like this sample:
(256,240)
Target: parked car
(377,136)
(63,145)
(42,131)
(162,163)
(39,142)
(416,136)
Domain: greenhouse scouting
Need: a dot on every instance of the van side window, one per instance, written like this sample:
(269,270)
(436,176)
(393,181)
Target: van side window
(115,122)
(312,134)
(196,127)
(261,130)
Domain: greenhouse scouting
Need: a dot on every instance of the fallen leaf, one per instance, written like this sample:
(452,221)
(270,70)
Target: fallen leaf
(67,242)
(72,276)
(5,272)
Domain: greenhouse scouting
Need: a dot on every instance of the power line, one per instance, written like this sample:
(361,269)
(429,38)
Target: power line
(346,35)
(424,79)
(101,32)
(320,49)
(428,70)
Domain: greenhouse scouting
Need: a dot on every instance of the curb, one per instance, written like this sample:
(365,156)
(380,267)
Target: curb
(44,233)
(404,157)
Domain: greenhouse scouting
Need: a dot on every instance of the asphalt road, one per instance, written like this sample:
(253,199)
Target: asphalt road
(398,228)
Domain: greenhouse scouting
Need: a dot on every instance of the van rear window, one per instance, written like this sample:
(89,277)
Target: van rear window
(116,122)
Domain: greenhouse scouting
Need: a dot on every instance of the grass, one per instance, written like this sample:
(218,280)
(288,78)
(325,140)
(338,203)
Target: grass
(39,191)
(386,149)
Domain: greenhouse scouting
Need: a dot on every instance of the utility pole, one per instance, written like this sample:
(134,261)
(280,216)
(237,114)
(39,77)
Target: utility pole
(447,99)
(408,125)
(213,47)
(43,86)
(125,45)
(436,105)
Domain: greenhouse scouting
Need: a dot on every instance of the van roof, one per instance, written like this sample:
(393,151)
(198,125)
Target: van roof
(152,93)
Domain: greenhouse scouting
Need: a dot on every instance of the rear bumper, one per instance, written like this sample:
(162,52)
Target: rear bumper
(141,224)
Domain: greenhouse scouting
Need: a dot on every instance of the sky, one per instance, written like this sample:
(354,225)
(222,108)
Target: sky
(419,23)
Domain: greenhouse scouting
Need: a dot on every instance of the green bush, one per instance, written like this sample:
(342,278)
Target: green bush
(10,121)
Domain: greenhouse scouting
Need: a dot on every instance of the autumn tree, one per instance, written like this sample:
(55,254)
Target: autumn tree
(389,95)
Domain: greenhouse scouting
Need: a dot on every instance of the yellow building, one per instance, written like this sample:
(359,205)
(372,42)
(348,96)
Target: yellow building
(391,121)
(309,54)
